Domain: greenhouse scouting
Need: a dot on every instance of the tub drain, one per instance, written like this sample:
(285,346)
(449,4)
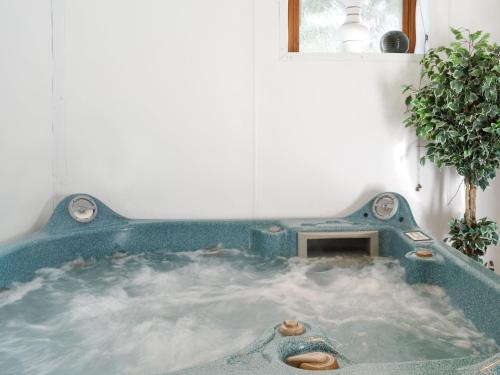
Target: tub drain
(318,361)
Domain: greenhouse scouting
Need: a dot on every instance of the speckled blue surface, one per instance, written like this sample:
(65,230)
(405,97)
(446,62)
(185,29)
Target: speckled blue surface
(471,287)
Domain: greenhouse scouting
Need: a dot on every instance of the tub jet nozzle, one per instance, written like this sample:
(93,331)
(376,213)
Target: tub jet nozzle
(291,327)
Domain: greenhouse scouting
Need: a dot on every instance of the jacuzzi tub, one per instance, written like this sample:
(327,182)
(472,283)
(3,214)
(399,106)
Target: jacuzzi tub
(96,232)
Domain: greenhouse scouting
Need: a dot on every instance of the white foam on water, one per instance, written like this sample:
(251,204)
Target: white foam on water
(153,313)
(18,291)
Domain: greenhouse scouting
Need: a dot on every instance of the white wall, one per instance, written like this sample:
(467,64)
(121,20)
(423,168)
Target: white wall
(187,109)
(25,116)
(157,110)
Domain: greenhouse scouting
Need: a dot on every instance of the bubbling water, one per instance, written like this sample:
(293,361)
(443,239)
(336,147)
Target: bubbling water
(159,312)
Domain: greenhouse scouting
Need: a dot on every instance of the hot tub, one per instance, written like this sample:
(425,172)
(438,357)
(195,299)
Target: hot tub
(372,290)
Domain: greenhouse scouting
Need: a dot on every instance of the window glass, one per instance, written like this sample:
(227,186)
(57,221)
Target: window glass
(320,20)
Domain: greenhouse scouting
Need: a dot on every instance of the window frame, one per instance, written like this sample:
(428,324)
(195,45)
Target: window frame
(408,22)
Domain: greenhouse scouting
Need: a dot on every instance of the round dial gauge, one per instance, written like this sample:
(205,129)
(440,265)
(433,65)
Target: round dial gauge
(385,206)
(82,208)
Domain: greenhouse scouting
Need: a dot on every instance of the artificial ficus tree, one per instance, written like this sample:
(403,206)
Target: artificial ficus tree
(457,112)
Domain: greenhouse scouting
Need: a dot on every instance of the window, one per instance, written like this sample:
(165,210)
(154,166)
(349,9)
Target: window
(313,25)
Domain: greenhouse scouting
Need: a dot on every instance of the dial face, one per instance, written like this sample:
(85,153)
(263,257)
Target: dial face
(83,209)
(385,206)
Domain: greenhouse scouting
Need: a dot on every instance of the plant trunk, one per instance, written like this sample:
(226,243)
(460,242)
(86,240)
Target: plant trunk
(470,209)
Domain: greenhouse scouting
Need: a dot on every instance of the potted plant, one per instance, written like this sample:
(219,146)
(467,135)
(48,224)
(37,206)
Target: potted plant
(457,112)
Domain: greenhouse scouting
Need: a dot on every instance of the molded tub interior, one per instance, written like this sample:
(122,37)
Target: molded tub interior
(469,285)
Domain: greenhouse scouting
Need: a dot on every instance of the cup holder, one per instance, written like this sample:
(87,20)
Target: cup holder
(314,353)
(315,361)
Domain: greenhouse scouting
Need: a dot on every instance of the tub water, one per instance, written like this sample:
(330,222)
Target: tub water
(160,311)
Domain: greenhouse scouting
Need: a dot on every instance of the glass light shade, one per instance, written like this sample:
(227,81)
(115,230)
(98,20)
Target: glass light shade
(353,33)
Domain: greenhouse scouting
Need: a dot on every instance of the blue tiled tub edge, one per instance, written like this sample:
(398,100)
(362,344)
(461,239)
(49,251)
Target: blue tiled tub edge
(470,286)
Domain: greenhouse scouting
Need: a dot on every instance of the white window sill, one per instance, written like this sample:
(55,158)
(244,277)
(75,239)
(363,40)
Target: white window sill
(374,57)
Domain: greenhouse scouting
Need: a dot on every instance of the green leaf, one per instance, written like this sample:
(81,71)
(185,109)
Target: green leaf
(457,86)
(407,88)
(457,74)
(475,36)
(456,60)
(484,39)
(471,97)
(458,35)
(454,106)
(441,137)
(439,90)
